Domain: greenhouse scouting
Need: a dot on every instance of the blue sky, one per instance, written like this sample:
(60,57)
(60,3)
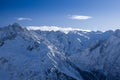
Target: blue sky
(84,14)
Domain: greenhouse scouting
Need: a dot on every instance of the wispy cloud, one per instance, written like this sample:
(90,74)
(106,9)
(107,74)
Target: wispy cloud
(24,19)
(79,17)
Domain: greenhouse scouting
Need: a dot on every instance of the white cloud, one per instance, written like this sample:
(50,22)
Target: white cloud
(24,19)
(80,17)
(55,28)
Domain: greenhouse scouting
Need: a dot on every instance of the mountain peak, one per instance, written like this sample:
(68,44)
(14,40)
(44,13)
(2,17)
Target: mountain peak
(16,24)
(10,31)
(16,27)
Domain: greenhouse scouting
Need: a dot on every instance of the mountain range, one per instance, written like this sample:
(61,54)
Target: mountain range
(53,53)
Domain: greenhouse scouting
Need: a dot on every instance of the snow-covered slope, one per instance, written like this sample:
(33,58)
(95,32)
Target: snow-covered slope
(58,54)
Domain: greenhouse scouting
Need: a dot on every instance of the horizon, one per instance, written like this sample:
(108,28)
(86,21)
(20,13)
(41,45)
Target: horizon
(56,28)
(83,14)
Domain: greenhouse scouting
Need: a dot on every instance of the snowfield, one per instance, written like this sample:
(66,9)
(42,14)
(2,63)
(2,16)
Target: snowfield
(53,53)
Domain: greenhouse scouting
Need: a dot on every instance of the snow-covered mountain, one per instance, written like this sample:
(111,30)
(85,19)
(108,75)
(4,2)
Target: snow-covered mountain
(52,53)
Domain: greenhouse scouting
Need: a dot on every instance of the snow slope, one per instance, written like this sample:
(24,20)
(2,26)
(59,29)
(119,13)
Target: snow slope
(58,54)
